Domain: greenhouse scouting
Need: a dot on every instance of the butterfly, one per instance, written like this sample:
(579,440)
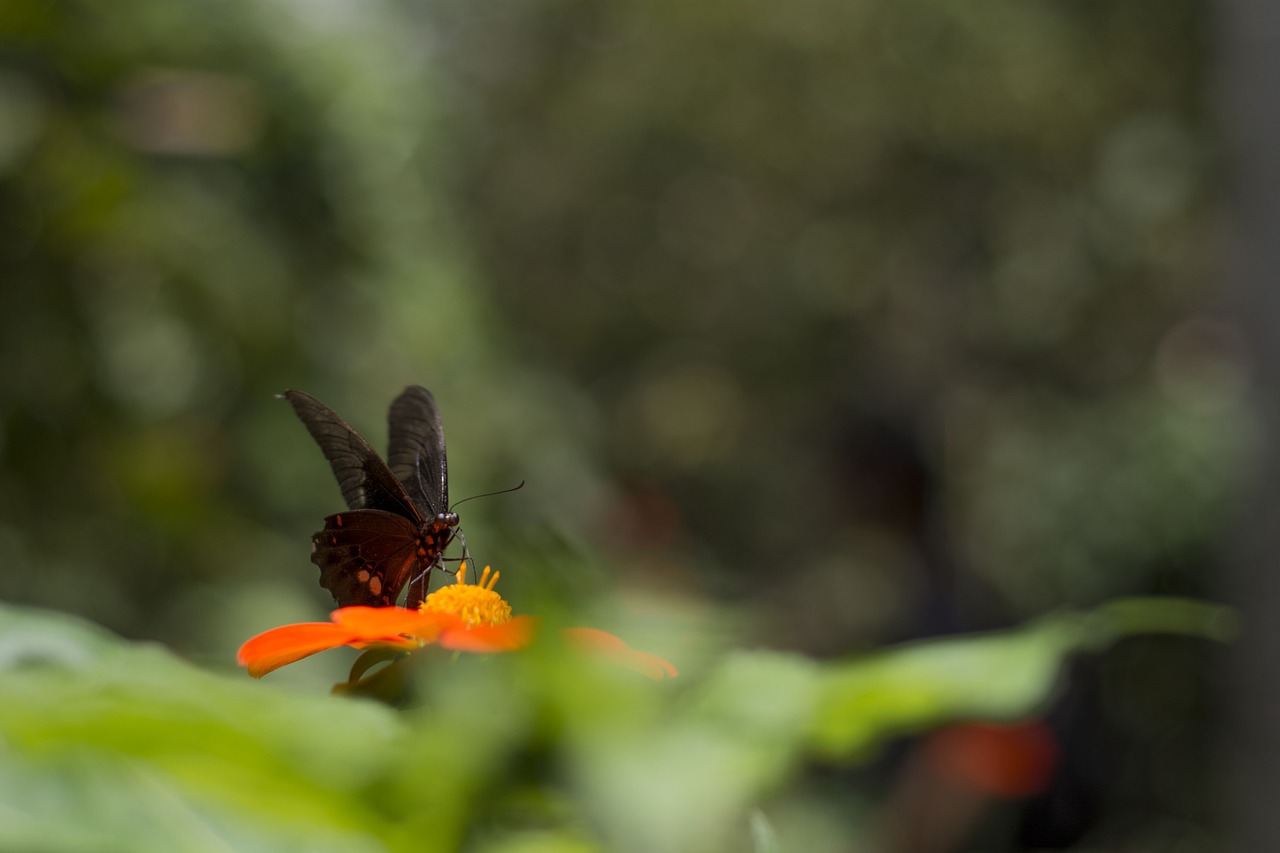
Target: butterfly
(399,522)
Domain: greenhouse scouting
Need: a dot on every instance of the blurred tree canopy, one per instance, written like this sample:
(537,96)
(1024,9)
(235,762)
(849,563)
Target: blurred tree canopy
(885,299)
(882,296)
(195,218)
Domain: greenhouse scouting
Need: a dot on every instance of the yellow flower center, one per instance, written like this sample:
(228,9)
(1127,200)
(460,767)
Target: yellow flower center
(476,604)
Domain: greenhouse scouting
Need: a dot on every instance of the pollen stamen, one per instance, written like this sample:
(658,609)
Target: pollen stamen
(476,604)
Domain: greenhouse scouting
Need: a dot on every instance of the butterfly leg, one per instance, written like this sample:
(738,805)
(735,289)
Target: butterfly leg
(418,586)
(465,558)
(466,552)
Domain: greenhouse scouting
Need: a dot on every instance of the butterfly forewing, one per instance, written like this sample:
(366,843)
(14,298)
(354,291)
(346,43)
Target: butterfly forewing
(416,449)
(365,556)
(365,480)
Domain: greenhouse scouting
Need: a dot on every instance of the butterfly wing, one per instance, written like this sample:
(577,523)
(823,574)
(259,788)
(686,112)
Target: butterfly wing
(416,452)
(365,556)
(365,480)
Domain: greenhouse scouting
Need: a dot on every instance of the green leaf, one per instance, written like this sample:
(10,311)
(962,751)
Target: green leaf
(1002,676)
(146,752)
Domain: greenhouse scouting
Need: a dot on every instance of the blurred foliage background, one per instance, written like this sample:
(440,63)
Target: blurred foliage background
(834,323)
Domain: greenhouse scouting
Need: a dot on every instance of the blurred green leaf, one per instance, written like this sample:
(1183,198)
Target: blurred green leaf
(146,749)
(996,676)
(763,838)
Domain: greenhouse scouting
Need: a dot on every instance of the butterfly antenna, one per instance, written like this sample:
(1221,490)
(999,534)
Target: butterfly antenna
(488,495)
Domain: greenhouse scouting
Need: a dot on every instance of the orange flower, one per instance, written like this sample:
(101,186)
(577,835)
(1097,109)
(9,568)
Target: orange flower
(463,617)
(616,651)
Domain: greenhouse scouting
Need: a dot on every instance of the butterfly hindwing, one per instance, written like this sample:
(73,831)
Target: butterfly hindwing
(365,480)
(416,449)
(365,556)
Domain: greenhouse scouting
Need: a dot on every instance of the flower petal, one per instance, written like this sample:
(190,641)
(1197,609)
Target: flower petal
(507,637)
(288,643)
(374,624)
(618,652)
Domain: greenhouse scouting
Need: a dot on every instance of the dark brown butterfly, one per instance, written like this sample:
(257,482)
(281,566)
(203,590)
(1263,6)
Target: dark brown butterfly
(399,523)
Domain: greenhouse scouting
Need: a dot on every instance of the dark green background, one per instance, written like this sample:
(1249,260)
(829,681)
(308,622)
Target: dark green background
(845,322)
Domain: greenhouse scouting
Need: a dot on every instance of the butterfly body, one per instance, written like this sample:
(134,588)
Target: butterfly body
(398,523)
